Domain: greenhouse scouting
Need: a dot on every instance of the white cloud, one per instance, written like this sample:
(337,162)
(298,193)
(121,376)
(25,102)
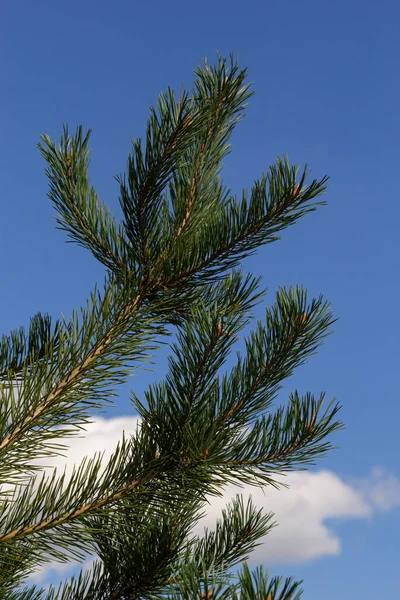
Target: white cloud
(304,512)
(300,512)
(381,489)
(101,436)
(54,571)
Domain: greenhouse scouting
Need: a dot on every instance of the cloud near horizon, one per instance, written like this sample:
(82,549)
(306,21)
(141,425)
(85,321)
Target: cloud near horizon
(305,512)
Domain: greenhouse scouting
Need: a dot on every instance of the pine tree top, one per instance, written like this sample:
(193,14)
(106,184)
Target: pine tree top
(172,260)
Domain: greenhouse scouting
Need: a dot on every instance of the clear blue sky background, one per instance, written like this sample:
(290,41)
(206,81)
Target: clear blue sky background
(328,93)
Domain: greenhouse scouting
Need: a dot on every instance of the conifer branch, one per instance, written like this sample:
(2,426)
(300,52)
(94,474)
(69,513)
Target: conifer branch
(70,515)
(87,231)
(199,165)
(80,212)
(179,133)
(283,212)
(71,379)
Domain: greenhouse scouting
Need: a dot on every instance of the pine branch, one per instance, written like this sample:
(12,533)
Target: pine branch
(115,327)
(236,535)
(288,438)
(294,330)
(230,98)
(80,212)
(259,586)
(184,122)
(237,229)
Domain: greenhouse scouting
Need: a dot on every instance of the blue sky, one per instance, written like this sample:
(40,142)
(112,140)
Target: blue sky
(327,93)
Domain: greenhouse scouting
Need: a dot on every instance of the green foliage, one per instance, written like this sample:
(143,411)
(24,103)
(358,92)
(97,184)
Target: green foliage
(172,260)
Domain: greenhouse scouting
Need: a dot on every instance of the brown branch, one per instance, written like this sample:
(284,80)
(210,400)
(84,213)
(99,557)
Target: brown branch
(263,372)
(70,515)
(70,379)
(193,189)
(180,131)
(291,449)
(220,252)
(272,218)
(196,177)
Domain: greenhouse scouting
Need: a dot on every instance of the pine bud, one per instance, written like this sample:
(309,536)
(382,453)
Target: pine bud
(68,164)
(296,191)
